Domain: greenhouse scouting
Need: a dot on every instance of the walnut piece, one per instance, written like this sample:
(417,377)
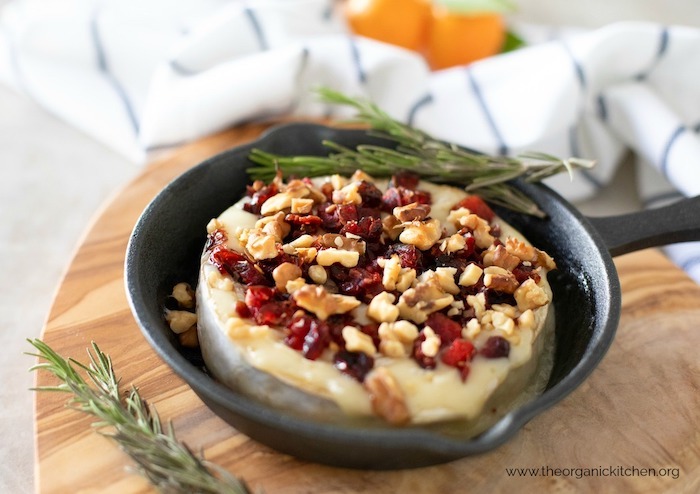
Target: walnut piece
(422,234)
(499,256)
(382,308)
(386,397)
(412,212)
(357,341)
(316,299)
(328,257)
(283,273)
(530,295)
(500,279)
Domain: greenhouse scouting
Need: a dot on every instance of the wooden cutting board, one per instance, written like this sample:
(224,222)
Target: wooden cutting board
(638,412)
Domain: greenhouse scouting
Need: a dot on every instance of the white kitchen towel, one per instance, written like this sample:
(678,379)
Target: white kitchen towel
(140,76)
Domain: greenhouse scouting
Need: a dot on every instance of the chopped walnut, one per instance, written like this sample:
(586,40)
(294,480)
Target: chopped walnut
(301,205)
(453,243)
(396,338)
(445,277)
(481,229)
(274,225)
(360,175)
(530,295)
(499,256)
(431,345)
(328,257)
(337,241)
(395,277)
(526,320)
(357,341)
(281,201)
(386,397)
(520,249)
(392,227)
(471,275)
(189,339)
(472,329)
(294,285)
(348,195)
(382,309)
(306,254)
(284,273)
(184,295)
(478,303)
(316,299)
(422,300)
(545,260)
(219,281)
(412,212)
(422,234)
(318,274)
(500,279)
(180,320)
(260,245)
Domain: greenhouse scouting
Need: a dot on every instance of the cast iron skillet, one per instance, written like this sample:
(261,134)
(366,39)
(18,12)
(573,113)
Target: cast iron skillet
(167,241)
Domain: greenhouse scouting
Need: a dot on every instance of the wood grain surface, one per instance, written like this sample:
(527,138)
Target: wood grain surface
(639,410)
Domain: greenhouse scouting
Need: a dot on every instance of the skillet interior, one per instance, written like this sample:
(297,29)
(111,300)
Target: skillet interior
(165,248)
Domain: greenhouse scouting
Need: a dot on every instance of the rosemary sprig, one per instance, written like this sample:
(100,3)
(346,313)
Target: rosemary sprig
(166,462)
(418,152)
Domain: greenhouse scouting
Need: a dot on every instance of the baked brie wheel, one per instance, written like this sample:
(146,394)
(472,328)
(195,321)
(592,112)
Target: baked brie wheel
(355,300)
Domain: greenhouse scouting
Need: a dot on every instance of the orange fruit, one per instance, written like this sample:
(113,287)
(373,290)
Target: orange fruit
(458,39)
(399,22)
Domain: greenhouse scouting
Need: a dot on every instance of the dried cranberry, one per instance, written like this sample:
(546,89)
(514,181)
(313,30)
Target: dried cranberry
(347,213)
(336,323)
(372,330)
(316,340)
(328,212)
(495,347)
(447,329)
(476,205)
(236,264)
(297,219)
(370,194)
(522,273)
(404,179)
(367,228)
(354,364)
(362,283)
(297,329)
(275,313)
(242,310)
(259,197)
(459,353)
(256,296)
(410,256)
(493,297)
(400,196)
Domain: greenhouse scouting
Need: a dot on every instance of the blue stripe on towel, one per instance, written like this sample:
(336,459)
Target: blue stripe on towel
(602,108)
(690,263)
(580,74)
(103,65)
(502,147)
(660,52)
(423,101)
(257,28)
(357,60)
(180,69)
(663,164)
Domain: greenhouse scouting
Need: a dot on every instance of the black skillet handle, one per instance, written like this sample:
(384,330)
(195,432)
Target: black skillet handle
(677,222)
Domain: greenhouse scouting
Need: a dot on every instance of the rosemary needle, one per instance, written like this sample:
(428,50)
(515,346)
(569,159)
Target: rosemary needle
(418,152)
(166,462)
